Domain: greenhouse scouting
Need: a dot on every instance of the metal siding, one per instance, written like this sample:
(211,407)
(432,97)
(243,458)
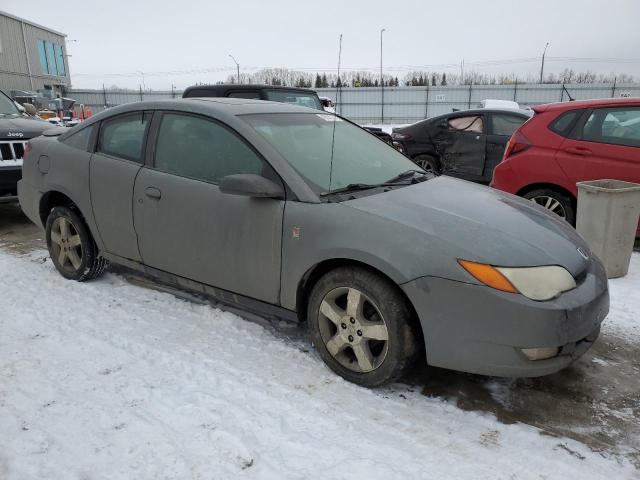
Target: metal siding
(402,104)
(14,71)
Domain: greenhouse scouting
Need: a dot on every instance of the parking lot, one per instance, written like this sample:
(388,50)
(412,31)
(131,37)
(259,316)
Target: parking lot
(586,417)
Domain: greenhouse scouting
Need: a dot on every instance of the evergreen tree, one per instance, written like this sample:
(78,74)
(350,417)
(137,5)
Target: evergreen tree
(433,80)
(444,80)
(318,83)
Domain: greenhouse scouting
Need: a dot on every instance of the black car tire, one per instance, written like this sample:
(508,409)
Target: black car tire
(428,163)
(565,204)
(402,347)
(89,264)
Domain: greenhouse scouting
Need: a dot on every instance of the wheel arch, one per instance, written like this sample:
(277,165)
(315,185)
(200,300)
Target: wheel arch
(552,186)
(314,273)
(55,198)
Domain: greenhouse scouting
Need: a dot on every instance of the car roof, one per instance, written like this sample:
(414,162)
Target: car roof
(576,104)
(221,89)
(216,106)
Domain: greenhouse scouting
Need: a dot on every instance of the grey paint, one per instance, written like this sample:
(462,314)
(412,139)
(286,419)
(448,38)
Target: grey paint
(229,241)
(263,248)
(20,61)
(111,184)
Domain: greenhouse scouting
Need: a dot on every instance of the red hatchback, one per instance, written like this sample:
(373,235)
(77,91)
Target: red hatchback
(569,142)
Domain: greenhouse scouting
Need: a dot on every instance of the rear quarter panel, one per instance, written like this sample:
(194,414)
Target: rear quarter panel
(536,165)
(68,173)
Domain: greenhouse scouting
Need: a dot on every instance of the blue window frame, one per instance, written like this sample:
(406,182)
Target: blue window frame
(43,57)
(59,59)
(51,58)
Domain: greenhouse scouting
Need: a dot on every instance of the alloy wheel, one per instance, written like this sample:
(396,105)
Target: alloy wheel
(551,204)
(425,165)
(66,244)
(353,329)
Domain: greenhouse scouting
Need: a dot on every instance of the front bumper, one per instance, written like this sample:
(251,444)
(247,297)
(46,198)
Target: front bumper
(9,177)
(476,329)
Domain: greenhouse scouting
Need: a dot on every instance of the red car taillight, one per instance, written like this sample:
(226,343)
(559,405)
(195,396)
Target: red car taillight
(518,143)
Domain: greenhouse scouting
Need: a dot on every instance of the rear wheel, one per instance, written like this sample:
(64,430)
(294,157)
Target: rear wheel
(71,246)
(554,201)
(428,163)
(361,326)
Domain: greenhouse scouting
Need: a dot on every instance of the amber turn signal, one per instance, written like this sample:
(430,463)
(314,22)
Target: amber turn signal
(488,275)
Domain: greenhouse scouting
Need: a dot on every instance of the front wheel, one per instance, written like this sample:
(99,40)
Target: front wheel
(555,202)
(428,163)
(361,326)
(71,246)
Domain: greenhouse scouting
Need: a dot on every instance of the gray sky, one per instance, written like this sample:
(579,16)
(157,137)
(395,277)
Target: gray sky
(122,37)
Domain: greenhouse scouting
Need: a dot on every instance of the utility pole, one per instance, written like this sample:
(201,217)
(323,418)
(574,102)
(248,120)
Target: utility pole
(381,77)
(237,67)
(542,65)
(144,86)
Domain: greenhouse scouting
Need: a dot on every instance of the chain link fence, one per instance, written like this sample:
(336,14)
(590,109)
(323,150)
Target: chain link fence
(399,105)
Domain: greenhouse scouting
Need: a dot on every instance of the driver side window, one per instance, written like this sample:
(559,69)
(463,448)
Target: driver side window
(473,124)
(195,147)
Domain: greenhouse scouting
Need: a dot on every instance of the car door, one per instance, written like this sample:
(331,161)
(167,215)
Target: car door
(461,142)
(114,165)
(607,145)
(187,227)
(502,125)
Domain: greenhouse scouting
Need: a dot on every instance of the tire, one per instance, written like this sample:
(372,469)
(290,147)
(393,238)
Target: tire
(428,163)
(381,312)
(557,202)
(71,246)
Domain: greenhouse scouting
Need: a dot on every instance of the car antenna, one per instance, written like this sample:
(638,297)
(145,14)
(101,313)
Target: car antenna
(571,99)
(333,135)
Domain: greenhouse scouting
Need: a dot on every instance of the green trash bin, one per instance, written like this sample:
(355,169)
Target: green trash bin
(607,219)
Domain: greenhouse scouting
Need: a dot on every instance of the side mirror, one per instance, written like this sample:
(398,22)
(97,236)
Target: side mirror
(250,185)
(30,109)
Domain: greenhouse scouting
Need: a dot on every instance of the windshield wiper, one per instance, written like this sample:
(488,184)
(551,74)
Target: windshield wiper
(392,182)
(354,187)
(405,174)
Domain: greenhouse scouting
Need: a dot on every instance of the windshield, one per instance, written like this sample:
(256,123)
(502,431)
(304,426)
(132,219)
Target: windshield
(7,107)
(305,141)
(302,99)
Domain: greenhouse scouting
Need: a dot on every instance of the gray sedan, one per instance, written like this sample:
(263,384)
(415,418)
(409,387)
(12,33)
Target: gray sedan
(291,213)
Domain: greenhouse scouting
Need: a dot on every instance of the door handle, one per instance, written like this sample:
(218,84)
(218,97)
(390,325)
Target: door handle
(153,192)
(578,150)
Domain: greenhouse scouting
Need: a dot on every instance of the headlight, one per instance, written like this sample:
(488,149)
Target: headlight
(536,283)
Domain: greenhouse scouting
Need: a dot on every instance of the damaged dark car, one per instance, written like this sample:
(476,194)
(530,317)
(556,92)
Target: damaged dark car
(466,144)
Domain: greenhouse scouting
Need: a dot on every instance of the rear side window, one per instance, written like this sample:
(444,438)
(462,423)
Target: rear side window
(506,124)
(466,124)
(194,147)
(123,136)
(302,99)
(565,122)
(617,126)
(80,139)
(245,94)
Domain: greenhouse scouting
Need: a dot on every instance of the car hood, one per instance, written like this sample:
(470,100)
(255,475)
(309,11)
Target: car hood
(27,126)
(461,219)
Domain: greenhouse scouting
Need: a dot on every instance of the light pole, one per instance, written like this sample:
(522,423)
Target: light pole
(144,86)
(237,66)
(542,65)
(381,78)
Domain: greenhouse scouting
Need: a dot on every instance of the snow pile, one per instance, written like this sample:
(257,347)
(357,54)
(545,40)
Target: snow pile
(624,316)
(109,380)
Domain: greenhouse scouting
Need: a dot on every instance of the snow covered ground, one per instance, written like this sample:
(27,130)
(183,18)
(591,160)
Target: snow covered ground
(110,380)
